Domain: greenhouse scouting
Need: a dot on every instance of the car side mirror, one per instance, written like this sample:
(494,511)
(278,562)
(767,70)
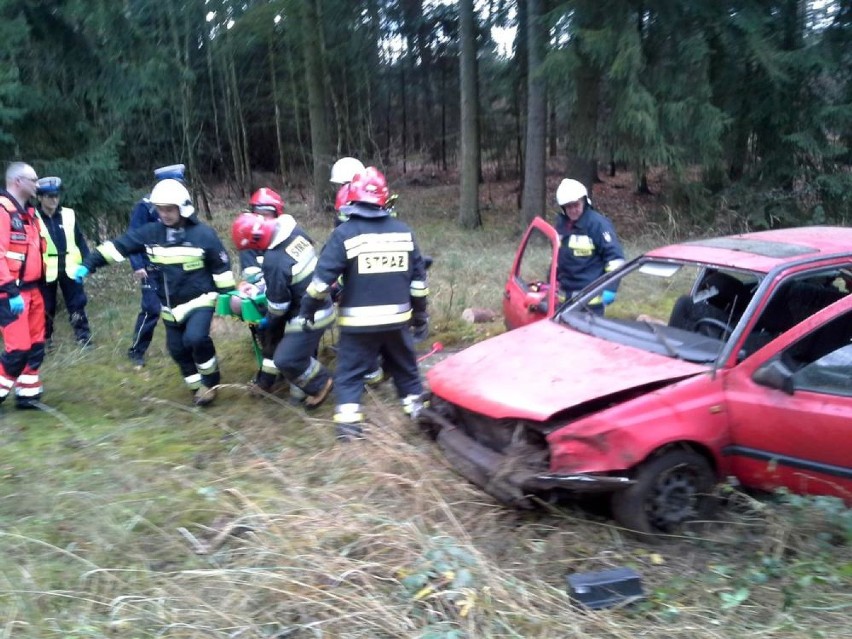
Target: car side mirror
(775,374)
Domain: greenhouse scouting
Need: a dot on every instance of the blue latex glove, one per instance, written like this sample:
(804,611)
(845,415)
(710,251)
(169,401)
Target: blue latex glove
(16,304)
(608,297)
(263,323)
(81,273)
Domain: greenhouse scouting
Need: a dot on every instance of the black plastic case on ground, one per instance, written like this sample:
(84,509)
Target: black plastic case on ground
(605,588)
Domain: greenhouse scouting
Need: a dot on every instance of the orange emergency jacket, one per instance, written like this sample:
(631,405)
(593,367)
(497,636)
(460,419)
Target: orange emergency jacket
(21,247)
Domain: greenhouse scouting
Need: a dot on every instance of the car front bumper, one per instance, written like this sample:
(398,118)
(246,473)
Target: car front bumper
(504,476)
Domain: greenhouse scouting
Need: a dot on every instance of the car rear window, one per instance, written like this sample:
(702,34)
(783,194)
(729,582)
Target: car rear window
(757,247)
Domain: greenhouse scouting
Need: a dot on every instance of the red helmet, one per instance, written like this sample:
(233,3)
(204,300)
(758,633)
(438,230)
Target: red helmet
(252,231)
(266,201)
(342,198)
(369,187)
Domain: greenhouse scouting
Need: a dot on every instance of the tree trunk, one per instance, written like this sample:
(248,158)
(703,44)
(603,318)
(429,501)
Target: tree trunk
(532,202)
(469,216)
(321,146)
(279,136)
(582,140)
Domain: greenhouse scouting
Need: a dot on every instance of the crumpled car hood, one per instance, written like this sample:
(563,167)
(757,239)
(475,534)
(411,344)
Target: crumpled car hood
(538,370)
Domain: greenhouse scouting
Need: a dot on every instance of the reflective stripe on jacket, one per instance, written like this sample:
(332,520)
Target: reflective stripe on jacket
(21,247)
(384,276)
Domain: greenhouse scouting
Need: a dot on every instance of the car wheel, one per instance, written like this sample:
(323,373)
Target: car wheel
(669,491)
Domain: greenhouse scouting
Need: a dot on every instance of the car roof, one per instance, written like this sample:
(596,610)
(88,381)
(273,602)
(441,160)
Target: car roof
(763,250)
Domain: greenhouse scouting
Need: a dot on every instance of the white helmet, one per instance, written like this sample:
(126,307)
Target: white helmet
(171,192)
(570,191)
(345,169)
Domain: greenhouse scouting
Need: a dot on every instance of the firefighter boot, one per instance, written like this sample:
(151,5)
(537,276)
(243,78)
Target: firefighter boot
(312,401)
(204,396)
(412,405)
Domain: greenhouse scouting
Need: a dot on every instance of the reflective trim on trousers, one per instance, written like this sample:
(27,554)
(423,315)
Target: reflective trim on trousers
(308,374)
(268,366)
(178,313)
(29,391)
(348,414)
(193,381)
(210,366)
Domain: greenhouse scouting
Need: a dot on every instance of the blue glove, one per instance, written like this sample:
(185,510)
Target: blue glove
(16,304)
(263,323)
(81,273)
(608,297)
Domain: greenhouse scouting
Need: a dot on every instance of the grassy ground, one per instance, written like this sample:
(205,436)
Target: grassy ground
(126,512)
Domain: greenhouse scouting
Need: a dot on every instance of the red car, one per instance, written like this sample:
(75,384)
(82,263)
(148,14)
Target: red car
(724,357)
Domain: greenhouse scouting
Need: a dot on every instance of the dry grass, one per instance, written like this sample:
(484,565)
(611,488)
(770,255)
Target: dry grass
(125,512)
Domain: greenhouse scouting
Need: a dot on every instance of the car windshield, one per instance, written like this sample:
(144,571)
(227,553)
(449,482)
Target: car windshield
(683,310)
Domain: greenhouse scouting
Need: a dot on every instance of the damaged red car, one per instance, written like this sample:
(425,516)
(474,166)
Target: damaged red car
(729,357)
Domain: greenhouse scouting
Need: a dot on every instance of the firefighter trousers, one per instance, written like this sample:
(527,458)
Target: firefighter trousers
(357,354)
(294,357)
(192,349)
(146,320)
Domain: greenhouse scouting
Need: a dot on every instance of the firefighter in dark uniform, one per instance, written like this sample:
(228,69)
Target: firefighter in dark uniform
(289,259)
(268,204)
(588,245)
(195,269)
(144,212)
(21,305)
(384,291)
(66,249)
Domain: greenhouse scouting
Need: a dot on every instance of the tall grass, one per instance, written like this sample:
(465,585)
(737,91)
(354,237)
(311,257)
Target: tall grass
(126,512)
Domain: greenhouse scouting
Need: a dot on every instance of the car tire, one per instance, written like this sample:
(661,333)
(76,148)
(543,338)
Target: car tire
(670,490)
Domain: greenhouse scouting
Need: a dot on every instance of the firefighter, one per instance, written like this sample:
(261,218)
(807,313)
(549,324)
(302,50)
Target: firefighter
(268,204)
(66,249)
(342,173)
(588,245)
(22,315)
(148,277)
(289,258)
(384,291)
(194,269)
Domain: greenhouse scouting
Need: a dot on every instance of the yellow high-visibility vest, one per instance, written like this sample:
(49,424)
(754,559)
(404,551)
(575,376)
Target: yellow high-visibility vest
(73,257)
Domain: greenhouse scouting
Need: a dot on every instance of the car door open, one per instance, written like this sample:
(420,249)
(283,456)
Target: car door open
(530,293)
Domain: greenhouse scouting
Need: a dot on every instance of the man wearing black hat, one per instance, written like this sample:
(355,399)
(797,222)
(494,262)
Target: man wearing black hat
(148,277)
(66,249)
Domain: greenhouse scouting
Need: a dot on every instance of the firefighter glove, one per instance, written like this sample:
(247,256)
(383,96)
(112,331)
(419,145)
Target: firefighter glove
(608,297)
(81,273)
(16,304)
(309,307)
(420,325)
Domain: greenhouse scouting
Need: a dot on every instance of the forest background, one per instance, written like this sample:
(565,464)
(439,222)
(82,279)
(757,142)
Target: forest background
(744,105)
(126,512)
